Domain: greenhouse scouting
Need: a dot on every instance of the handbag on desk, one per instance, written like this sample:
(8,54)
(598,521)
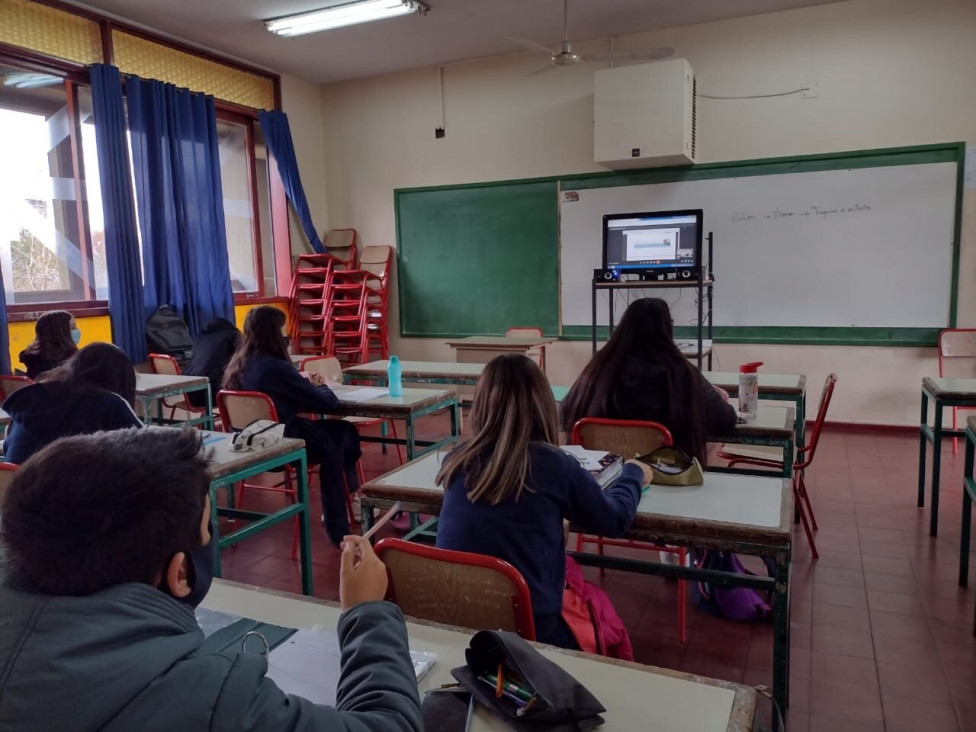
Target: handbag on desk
(536,694)
(673,466)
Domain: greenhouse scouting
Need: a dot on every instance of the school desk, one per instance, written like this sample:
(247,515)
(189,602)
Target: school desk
(773,426)
(481,349)
(968,496)
(152,389)
(749,514)
(637,697)
(414,404)
(424,372)
(228,467)
(772,387)
(943,393)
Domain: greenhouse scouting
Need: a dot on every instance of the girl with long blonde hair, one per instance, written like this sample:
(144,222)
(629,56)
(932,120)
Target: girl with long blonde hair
(509,487)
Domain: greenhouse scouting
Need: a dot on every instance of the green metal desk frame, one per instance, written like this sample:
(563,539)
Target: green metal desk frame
(409,418)
(778,585)
(151,415)
(968,496)
(934,436)
(261,521)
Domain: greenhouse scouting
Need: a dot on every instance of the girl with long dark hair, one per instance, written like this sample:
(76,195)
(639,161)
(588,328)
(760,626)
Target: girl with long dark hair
(56,337)
(641,374)
(93,391)
(261,363)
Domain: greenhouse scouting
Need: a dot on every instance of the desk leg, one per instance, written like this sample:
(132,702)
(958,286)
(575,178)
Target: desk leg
(304,530)
(936,468)
(366,516)
(967,515)
(411,437)
(593,307)
(209,403)
(215,526)
(456,419)
(921,449)
(781,631)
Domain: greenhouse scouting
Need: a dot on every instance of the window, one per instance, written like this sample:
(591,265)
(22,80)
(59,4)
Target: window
(247,207)
(45,200)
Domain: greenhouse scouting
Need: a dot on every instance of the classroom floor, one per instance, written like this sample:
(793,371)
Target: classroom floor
(882,636)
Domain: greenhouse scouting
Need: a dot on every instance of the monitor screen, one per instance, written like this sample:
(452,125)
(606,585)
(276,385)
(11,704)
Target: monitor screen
(648,241)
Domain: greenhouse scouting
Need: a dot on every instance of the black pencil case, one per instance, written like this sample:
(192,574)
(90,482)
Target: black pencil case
(562,704)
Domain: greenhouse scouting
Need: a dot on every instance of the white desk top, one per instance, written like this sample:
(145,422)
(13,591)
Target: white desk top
(149,384)
(636,696)
(412,400)
(744,501)
(499,342)
(771,421)
(768,383)
(950,388)
(424,369)
(225,460)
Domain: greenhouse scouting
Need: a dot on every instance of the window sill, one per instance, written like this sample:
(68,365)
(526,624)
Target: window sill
(245,299)
(26,312)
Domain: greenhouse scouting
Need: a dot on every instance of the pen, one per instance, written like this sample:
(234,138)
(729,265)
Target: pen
(519,702)
(511,687)
(382,520)
(501,680)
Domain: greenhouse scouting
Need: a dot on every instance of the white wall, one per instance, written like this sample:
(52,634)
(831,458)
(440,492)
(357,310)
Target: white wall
(302,102)
(890,73)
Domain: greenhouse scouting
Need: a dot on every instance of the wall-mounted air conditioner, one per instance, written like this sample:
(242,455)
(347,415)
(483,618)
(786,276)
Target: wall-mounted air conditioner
(645,115)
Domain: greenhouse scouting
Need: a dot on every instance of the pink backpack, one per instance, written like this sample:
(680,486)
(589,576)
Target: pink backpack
(591,617)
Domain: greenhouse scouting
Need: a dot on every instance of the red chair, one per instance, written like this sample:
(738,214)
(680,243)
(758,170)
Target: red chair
(467,590)
(237,410)
(9,384)
(772,457)
(161,363)
(328,367)
(957,359)
(629,437)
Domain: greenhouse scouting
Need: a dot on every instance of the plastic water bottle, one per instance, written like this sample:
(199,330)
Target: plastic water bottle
(394,375)
(749,390)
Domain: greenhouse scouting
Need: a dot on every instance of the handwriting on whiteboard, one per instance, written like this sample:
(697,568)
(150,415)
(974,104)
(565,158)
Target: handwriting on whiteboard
(823,212)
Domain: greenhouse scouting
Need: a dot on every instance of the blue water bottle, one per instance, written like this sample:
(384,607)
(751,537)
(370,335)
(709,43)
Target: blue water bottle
(394,375)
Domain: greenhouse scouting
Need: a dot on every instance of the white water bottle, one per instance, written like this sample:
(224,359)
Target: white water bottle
(749,390)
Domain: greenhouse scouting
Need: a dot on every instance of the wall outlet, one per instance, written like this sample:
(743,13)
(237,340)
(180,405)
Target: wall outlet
(438,133)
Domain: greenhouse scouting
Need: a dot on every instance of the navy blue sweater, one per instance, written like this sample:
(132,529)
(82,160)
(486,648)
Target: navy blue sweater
(528,533)
(291,392)
(41,413)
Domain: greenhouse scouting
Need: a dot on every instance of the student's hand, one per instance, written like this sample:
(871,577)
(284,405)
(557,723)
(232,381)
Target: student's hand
(362,576)
(645,469)
(316,379)
(724,394)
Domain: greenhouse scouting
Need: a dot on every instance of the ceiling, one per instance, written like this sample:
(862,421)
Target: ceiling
(453,30)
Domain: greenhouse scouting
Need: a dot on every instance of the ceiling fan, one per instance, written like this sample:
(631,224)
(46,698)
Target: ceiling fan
(564,55)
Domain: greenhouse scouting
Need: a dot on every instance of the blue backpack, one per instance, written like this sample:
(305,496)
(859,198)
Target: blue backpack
(734,603)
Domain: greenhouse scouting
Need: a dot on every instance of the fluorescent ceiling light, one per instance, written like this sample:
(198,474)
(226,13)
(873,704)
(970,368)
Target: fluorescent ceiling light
(341,15)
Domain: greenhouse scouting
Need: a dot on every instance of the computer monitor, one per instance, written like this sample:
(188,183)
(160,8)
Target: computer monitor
(662,244)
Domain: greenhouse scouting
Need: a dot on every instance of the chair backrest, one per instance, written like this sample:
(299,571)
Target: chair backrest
(341,244)
(326,366)
(375,260)
(524,331)
(457,588)
(7,473)
(811,447)
(164,364)
(624,437)
(957,353)
(9,384)
(239,408)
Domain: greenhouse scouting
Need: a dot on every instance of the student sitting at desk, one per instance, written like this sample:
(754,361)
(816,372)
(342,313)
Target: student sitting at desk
(261,363)
(212,351)
(508,489)
(94,390)
(99,631)
(641,374)
(56,337)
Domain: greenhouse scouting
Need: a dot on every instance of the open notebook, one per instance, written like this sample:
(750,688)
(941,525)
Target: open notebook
(603,465)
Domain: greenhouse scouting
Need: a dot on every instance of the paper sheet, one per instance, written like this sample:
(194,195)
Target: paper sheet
(307,665)
(363,394)
(589,459)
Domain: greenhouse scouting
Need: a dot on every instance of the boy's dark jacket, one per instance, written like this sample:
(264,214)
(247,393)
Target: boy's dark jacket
(128,658)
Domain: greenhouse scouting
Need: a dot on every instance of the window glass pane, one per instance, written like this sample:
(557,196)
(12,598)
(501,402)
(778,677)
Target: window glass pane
(40,219)
(93,192)
(238,211)
(264,212)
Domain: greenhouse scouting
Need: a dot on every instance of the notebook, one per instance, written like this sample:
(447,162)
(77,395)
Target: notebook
(603,465)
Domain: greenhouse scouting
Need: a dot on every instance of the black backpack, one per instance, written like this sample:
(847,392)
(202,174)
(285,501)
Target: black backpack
(167,333)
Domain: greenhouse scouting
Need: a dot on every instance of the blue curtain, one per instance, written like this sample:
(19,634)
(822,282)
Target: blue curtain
(277,137)
(121,236)
(178,193)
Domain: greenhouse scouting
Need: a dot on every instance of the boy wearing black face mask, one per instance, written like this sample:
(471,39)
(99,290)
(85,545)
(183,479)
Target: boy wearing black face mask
(106,543)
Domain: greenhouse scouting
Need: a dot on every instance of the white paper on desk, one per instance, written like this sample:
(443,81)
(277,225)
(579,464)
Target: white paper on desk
(307,665)
(363,394)
(589,459)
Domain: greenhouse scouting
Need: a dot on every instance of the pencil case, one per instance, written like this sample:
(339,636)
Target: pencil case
(556,701)
(673,466)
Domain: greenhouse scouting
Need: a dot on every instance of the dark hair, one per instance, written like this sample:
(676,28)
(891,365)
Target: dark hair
(97,366)
(52,338)
(262,334)
(644,337)
(93,511)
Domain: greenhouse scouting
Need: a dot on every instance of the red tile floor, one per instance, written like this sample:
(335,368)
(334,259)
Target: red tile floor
(882,636)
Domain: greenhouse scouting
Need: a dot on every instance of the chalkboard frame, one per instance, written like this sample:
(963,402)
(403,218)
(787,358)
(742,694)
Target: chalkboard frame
(951,152)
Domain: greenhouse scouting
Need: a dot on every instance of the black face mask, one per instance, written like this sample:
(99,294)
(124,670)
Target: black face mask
(202,562)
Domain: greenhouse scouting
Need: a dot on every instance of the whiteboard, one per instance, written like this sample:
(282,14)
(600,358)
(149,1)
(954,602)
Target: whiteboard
(866,247)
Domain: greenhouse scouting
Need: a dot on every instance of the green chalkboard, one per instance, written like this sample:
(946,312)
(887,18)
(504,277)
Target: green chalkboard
(475,260)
